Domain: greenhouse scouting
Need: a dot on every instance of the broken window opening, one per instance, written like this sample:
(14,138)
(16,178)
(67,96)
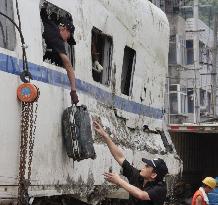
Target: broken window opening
(54,14)
(7,29)
(128,69)
(101,53)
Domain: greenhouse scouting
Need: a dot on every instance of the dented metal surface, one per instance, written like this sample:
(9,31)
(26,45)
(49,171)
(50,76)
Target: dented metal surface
(137,24)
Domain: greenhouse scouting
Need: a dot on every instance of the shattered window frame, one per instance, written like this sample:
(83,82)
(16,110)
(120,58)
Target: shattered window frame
(101,56)
(128,68)
(60,12)
(7,29)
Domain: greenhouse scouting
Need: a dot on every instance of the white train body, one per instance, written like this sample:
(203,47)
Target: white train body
(137,24)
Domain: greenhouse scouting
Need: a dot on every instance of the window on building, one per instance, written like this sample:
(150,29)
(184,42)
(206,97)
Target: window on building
(168,6)
(182,50)
(178,99)
(173,87)
(158,3)
(190,52)
(172,56)
(7,29)
(209,102)
(190,95)
(201,53)
(183,97)
(101,52)
(162,4)
(202,97)
(173,103)
(128,69)
(54,14)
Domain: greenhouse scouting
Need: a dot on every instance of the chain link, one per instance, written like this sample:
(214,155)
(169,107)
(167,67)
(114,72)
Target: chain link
(28,128)
(32,137)
(74,133)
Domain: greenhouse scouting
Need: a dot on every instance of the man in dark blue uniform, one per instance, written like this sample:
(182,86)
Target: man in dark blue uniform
(56,33)
(146,186)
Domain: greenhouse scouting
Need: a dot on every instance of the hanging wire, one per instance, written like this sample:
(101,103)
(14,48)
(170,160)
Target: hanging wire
(24,57)
(18,27)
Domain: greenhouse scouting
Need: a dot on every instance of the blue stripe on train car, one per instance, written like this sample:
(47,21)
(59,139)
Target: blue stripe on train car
(12,65)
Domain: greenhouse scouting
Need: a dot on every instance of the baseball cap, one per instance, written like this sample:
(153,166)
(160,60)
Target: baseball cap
(159,166)
(69,24)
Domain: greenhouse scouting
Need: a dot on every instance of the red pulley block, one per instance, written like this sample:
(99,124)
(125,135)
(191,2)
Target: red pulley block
(27,92)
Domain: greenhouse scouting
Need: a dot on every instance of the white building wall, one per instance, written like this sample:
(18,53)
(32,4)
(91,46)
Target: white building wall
(203,73)
(205,33)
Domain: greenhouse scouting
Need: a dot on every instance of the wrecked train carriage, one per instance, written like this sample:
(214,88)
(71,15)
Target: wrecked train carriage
(126,92)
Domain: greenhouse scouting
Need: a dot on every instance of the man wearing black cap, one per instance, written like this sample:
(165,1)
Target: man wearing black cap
(146,186)
(56,33)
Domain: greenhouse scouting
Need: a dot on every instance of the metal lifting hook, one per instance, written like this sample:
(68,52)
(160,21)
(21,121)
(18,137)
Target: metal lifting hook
(25,74)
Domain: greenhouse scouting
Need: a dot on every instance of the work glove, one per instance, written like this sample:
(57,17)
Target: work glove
(74,97)
(98,66)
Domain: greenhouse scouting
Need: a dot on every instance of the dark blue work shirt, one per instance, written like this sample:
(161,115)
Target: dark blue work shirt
(54,42)
(156,190)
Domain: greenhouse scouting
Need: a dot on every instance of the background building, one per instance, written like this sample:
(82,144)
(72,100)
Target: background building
(192,89)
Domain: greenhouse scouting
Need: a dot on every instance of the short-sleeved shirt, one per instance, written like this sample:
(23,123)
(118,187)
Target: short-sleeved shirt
(156,190)
(54,42)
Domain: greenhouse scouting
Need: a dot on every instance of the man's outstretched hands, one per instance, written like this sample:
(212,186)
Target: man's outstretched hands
(99,129)
(113,178)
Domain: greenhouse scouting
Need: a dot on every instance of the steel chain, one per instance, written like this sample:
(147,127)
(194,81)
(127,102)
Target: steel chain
(23,151)
(74,134)
(28,128)
(32,136)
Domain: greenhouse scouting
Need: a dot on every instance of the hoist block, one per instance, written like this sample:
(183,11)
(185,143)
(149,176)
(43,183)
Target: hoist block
(27,92)
(77,133)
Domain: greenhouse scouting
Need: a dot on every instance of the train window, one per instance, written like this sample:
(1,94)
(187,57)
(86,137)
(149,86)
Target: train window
(129,60)
(7,29)
(101,52)
(52,16)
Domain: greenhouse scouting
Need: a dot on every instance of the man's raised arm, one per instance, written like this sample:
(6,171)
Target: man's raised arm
(115,151)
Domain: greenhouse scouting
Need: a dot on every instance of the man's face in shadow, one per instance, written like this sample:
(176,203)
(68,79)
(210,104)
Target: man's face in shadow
(65,33)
